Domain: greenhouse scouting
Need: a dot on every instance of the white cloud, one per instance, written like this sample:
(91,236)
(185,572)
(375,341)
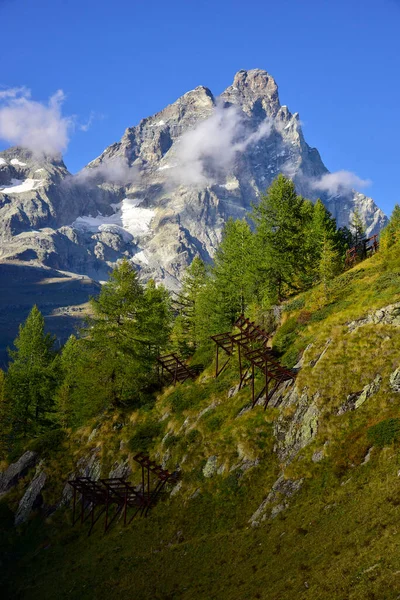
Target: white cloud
(34,125)
(113,170)
(93,116)
(14,93)
(334,182)
(207,152)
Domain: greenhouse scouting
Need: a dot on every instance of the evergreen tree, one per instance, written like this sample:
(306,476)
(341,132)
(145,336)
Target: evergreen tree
(280,241)
(357,228)
(391,234)
(229,287)
(5,418)
(32,377)
(81,394)
(129,327)
(234,268)
(185,335)
(320,231)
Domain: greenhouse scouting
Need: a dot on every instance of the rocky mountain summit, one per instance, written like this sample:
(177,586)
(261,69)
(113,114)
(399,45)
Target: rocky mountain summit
(162,194)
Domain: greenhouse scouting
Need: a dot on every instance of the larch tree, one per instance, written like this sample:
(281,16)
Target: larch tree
(279,220)
(32,377)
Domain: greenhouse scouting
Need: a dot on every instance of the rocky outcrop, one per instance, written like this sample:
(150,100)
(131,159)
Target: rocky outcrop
(394,381)
(17,470)
(120,469)
(277,500)
(297,424)
(356,400)
(31,499)
(388,315)
(87,466)
(211,466)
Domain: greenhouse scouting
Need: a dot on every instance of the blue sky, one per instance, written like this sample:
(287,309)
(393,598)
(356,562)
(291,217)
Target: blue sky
(336,63)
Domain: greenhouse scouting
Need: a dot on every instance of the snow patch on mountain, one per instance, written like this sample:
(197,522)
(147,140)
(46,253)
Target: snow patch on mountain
(128,218)
(18,186)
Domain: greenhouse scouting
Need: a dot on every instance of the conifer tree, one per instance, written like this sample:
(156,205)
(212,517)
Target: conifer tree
(357,228)
(279,220)
(320,231)
(391,234)
(5,418)
(130,325)
(184,335)
(32,378)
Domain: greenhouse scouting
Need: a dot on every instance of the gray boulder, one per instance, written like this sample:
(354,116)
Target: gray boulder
(16,470)
(31,499)
(394,380)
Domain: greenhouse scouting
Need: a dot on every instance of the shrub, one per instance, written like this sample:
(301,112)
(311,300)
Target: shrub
(144,436)
(386,280)
(214,422)
(193,437)
(179,400)
(295,304)
(322,313)
(286,335)
(171,441)
(49,442)
(384,433)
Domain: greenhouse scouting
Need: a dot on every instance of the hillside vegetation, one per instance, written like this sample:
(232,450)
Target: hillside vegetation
(299,500)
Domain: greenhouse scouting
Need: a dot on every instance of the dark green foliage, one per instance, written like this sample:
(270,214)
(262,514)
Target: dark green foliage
(193,436)
(171,441)
(31,379)
(387,280)
(295,304)
(179,400)
(384,433)
(113,364)
(213,422)
(391,234)
(144,436)
(185,335)
(357,228)
(286,335)
(280,239)
(322,313)
(48,443)
(230,285)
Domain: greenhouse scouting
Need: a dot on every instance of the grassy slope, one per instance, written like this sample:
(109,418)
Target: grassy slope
(340,536)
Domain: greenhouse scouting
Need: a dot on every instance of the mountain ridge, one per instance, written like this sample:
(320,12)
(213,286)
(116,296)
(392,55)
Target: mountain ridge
(161,195)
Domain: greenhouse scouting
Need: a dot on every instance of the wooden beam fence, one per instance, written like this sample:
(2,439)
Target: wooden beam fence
(176,368)
(115,496)
(253,353)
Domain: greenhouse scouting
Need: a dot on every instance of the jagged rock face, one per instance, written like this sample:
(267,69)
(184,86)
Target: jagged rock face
(162,194)
(17,470)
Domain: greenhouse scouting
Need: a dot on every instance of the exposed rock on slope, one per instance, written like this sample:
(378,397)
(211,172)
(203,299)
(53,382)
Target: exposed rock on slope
(163,193)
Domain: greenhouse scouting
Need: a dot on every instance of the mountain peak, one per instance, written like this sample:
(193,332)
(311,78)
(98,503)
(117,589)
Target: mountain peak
(258,80)
(255,91)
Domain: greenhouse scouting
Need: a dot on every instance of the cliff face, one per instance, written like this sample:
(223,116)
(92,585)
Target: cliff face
(163,193)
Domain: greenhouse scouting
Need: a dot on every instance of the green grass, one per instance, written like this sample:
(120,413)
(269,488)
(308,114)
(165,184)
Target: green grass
(338,539)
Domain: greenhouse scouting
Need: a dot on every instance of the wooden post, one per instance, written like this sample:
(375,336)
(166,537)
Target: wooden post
(252,383)
(240,365)
(216,362)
